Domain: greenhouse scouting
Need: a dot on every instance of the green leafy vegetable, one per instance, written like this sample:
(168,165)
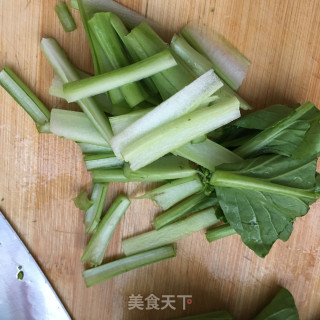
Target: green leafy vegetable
(286,171)
(262,211)
(281,307)
(310,145)
(261,119)
(283,137)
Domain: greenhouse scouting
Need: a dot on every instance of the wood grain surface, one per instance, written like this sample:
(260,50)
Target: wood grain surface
(40,174)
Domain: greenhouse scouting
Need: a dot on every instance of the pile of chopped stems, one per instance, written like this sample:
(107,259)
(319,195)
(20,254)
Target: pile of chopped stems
(168,113)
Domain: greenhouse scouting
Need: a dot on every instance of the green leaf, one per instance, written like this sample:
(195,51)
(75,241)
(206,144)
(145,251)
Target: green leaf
(311,142)
(261,197)
(286,142)
(260,218)
(281,307)
(278,169)
(264,118)
(82,201)
(283,137)
(250,123)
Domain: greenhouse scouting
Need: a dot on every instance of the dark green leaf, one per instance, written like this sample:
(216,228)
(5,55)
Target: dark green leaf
(229,132)
(281,307)
(287,140)
(260,218)
(250,125)
(283,137)
(264,118)
(311,143)
(236,142)
(278,169)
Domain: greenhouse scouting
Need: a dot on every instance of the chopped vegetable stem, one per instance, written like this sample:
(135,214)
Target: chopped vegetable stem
(220,232)
(104,82)
(98,243)
(93,214)
(66,71)
(114,268)
(228,179)
(170,233)
(178,211)
(65,17)
(170,136)
(25,98)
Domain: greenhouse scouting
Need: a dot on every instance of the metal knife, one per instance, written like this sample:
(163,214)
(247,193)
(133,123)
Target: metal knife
(25,292)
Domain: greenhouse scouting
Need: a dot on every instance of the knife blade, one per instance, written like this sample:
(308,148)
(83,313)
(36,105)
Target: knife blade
(25,292)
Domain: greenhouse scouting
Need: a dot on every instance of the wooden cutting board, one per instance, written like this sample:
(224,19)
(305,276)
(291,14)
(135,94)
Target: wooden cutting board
(40,174)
